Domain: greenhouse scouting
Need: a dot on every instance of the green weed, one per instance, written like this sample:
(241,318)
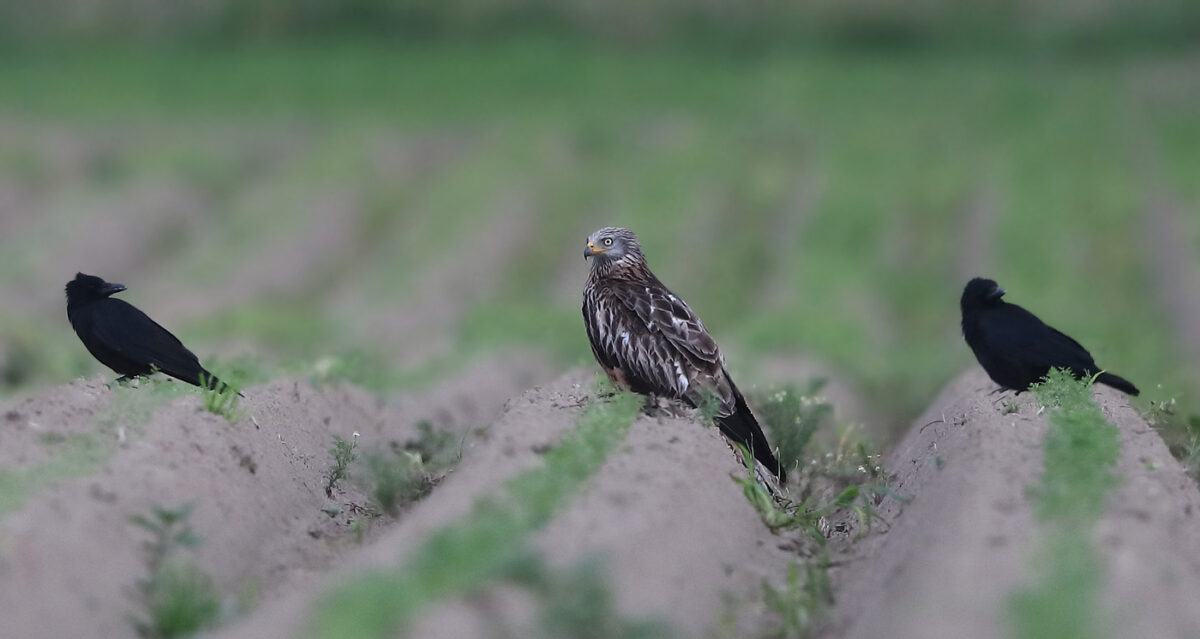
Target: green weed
(221,400)
(792,418)
(809,514)
(179,597)
(395,480)
(343,455)
(437,449)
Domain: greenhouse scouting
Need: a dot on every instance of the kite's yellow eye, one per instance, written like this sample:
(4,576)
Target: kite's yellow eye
(608,241)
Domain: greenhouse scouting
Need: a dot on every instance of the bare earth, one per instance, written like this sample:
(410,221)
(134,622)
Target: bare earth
(947,563)
(678,540)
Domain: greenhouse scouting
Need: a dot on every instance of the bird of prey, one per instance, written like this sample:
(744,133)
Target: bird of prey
(1016,348)
(649,341)
(126,339)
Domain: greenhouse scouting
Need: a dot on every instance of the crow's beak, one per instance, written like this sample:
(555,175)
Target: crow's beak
(109,288)
(997,293)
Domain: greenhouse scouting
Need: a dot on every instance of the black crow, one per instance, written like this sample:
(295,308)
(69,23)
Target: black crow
(1016,348)
(649,341)
(126,339)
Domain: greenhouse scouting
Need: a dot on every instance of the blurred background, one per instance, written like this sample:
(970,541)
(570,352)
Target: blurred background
(383,190)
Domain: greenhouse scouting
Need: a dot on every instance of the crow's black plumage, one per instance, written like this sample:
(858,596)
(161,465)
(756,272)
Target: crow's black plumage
(1018,349)
(126,339)
(649,341)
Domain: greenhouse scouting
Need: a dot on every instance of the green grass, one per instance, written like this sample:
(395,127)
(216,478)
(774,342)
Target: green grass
(470,553)
(1081,449)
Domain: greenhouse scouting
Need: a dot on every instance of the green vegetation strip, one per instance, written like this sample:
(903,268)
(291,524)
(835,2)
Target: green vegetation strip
(461,557)
(1081,449)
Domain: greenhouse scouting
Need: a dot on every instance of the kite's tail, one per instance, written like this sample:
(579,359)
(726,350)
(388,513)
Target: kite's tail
(742,428)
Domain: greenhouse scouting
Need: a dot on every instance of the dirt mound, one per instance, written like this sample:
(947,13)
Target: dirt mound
(70,558)
(675,534)
(675,537)
(950,559)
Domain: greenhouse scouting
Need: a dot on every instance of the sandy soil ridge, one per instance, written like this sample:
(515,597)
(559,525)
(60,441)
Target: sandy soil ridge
(70,559)
(949,560)
(673,530)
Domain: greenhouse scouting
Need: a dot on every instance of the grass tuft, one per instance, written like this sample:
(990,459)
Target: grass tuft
(221,400)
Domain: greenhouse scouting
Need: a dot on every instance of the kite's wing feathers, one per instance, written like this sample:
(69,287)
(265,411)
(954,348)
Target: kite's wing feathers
(623,342)
(663,312)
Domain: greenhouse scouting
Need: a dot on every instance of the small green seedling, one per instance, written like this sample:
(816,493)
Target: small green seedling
(343,455)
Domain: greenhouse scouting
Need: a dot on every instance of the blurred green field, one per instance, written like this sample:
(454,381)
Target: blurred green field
(403,208)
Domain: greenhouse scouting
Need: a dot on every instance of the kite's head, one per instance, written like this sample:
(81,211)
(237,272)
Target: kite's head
(981,292)
(86,288)
(612,244)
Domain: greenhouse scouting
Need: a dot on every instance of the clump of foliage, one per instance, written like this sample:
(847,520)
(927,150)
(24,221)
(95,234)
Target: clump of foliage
(404,473)
(792,418)
(396,480)
(438,449)
(179,597)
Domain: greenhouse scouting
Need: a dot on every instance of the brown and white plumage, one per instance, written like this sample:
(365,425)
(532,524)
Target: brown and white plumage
(649,341)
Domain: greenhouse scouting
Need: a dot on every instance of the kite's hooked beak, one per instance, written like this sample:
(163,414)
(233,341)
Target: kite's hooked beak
(109,288)
(591,250)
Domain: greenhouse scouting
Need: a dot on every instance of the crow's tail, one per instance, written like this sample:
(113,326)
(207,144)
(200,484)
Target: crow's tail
(1119,383)
(742,428)
(210,381)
